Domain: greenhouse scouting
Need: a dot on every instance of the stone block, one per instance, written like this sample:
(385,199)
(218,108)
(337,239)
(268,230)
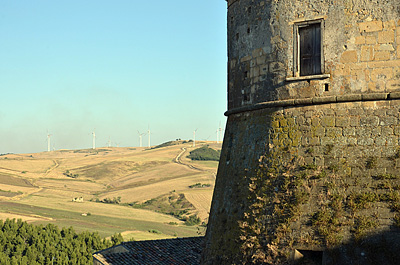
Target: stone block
(318,131)
(379,112)
(358,74)
(370,26)
(382,56)
(303,101)
(315,121)
(386,131)
(354,121)
(333,132)
(393,84)
(254,72)
(371,39)
(328,121)
(328,111)
(369,106)
(341,112)
(261,60)
(388,120)
(351,140)
(391,63)
(380,141)
(376,131)
(357,66)
(257,52)
(277,67)
(264,69)
(360,40)
(364,132)
(385,47)
(396,130)
(309,160)
(314,141)
(369,121)
(319,161)
(299,120)
(389,25)
(392,140)
(393,111)
(245,59)
(349,57)
(386,36)
(342,121)
(367,53)
(398,51)
(377,86)
(327,141)
(342,69)
(381,73)
(322,100)
(347,98)
(349,131)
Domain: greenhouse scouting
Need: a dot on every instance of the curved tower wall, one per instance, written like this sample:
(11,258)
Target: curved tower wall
(338,127)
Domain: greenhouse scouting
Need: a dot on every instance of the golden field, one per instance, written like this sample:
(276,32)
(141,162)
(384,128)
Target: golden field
(40,188)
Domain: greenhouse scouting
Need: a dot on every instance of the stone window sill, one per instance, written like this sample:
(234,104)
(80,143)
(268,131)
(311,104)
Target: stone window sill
(308,77)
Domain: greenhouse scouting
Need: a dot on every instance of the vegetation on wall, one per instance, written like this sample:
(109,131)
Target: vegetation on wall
(327,202)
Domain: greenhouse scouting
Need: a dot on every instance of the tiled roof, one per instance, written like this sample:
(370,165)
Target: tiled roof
(160,252)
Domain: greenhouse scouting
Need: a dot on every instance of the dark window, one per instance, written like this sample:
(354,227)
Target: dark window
(310,49)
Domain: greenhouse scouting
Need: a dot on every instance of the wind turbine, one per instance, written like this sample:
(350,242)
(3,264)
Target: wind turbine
(140,138)
(194,137)
(109,142)
(48,141)
(94,138)
(219,134)
(148,133)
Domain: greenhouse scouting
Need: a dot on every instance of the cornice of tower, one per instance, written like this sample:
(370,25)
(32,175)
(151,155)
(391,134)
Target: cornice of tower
(230,2)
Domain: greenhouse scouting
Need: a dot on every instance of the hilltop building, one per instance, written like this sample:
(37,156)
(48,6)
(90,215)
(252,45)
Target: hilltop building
(310,161)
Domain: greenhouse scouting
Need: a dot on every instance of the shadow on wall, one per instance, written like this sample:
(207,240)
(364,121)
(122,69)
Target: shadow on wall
(380,248)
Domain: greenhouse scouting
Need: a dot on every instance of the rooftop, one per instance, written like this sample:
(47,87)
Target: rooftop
(164,251)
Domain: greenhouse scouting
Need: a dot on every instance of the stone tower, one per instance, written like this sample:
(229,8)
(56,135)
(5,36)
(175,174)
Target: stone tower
(310,166)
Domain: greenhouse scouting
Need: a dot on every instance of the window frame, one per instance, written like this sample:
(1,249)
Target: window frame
(296,43)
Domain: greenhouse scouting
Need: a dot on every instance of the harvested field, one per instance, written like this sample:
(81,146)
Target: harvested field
(41,188)
(14,181)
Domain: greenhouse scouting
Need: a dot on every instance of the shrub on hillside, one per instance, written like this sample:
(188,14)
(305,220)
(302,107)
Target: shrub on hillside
(192,220)
(205,153)
(70,175)
(169,143)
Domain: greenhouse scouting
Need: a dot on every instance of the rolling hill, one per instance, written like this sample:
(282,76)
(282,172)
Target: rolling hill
(143,193)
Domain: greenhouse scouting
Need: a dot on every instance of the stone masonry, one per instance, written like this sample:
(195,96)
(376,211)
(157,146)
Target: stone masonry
(310,164)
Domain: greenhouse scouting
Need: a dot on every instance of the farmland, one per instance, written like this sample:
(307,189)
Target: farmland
(142,193)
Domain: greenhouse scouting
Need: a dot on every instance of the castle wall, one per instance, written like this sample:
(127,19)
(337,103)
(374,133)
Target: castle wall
(361,46)
(309,162)
(347,151)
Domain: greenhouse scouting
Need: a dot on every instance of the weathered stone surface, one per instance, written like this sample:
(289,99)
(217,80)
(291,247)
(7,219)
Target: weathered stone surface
(371,26)
(342,125)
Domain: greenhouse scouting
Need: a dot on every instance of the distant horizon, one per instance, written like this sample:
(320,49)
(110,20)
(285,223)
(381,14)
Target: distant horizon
(103,147)
(71,67)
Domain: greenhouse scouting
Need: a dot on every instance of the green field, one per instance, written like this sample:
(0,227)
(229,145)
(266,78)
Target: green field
(40,188)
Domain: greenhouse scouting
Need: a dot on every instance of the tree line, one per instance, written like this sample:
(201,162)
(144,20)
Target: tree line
(23,243)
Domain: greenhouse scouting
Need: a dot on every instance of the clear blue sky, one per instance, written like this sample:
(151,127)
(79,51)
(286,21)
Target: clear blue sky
(68,67)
